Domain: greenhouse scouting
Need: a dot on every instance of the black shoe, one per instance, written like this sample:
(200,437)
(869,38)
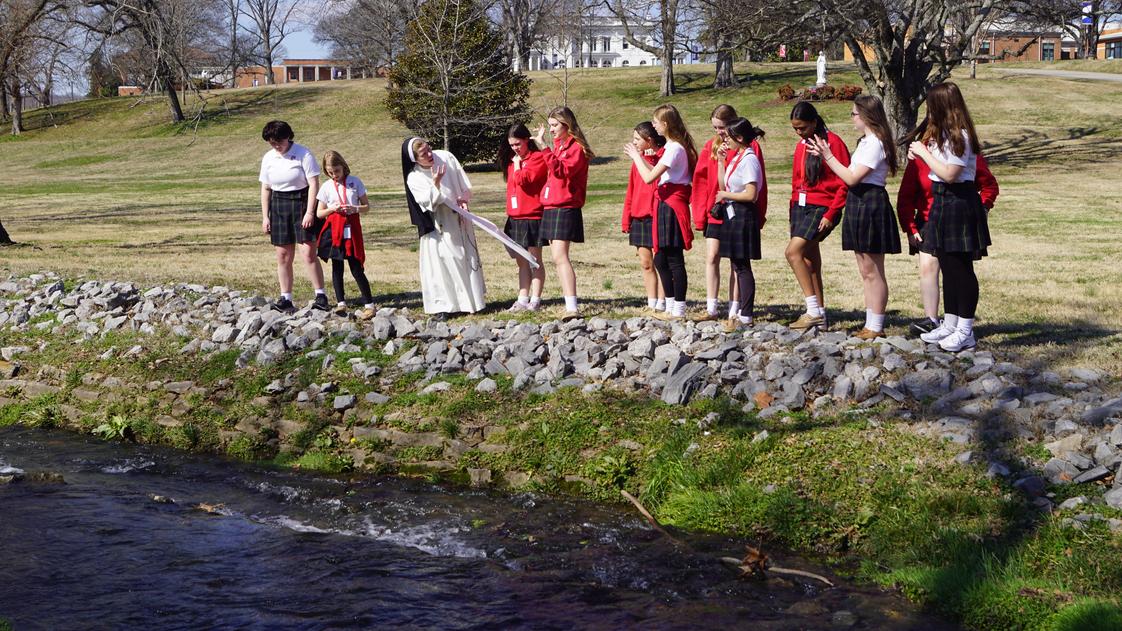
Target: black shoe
(320,303)
(284,305)
(924,325)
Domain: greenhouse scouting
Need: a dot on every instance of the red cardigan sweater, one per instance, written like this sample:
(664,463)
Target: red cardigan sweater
(567,166)
(524,186)
(705,185)
(829,190)
(915,196)
(641,199)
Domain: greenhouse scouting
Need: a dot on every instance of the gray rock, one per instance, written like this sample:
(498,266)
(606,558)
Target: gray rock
(928,383)
(681,385)
(343,402)
(487,385)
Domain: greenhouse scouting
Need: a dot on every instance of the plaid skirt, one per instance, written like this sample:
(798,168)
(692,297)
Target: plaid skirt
(562,224)
(869,225)
(286,211)
(641,233)
(957,222)
(669,232)
(525,232)
(805,220)
(923,247)
(740,235)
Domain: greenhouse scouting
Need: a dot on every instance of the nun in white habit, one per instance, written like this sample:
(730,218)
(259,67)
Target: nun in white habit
(451,270)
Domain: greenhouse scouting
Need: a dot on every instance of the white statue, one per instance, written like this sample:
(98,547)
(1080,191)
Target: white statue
(821,69)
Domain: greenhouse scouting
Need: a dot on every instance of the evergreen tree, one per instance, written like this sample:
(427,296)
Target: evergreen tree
(454,83)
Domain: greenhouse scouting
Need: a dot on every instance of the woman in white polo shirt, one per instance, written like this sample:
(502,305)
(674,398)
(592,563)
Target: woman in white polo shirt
(289,182)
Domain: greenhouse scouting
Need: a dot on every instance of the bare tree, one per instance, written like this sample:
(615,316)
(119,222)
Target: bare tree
(272,21)
(367,33)
(661,19)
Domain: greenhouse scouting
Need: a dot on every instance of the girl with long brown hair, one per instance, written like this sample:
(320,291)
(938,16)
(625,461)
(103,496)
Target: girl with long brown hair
(957,230)
(869,224)
(563,196)
(817,198)
(523,167)
(672,234)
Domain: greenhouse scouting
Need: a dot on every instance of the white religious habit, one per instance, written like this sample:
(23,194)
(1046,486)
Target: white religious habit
(451,270)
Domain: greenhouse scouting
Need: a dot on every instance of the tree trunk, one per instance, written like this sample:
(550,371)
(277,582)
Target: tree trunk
(16,94)
(666,87)
(726,78)
(4,238)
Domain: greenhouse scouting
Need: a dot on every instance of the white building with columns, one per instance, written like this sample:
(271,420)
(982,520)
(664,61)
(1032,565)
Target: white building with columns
(597,42)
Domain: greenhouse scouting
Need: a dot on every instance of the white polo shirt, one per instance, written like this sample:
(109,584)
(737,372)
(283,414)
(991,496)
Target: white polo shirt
(289,171)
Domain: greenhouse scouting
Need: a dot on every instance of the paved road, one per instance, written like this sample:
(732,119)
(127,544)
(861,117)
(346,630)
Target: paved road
(1065,74)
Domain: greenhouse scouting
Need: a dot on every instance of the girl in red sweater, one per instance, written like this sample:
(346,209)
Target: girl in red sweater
(913,204)
(817,198)
(672,233)
(639,204)
(563,196)
(523,168)
(702,199)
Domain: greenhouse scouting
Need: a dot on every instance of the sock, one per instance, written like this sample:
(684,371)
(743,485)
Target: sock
(287,296)
(570,303)
(812,306)
(965,326)
(660,304)
(711,306)
(321,292)
(874,321)
(523,300)
(734,308)
(679,308)
(652,303)
(950,320)
(669,305)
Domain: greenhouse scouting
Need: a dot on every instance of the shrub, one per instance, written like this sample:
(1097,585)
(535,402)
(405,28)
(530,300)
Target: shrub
(454,84)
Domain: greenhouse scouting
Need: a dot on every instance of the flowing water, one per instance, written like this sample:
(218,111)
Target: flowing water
(278,549)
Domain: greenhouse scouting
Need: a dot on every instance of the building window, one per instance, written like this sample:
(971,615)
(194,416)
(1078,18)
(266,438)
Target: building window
(1048,51)
(607,43)
(1114,50)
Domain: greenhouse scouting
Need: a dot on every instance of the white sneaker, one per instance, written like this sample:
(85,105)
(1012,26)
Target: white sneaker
(938,333)
(957,341)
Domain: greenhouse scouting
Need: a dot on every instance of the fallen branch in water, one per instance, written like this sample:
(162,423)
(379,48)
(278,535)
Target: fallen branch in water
(650,518)
(756,564)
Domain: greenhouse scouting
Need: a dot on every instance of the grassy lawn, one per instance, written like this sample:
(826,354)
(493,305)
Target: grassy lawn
(108,188)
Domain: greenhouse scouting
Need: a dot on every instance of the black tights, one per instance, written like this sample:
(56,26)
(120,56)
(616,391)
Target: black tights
(960,284)
(671,266)
(360,278)
(745,285)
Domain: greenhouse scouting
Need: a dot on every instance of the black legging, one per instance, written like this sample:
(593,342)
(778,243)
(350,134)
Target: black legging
(746,285)
(671,266)
(960,284)
(360,278)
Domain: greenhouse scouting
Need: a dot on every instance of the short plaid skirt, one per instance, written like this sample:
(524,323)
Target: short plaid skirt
(740,235)
(562,224)
(805,220)
(641,233)
(869,225)
(923,247)
(957,222)
(669,230)
(286,211)
(525,232)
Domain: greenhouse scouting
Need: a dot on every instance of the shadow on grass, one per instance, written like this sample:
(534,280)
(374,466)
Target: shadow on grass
(1082,144)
